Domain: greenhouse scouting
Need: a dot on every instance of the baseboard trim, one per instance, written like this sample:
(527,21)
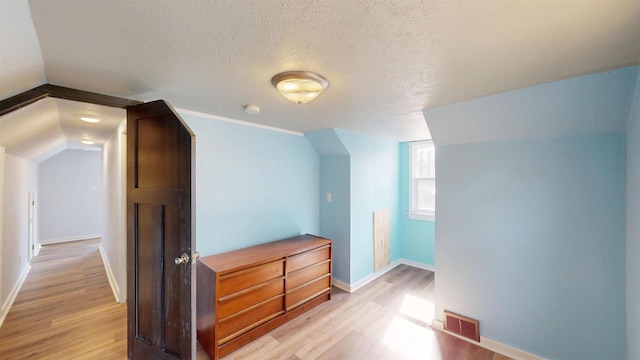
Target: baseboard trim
(71,238)
(341,285)
(37,250)
(14,293)
(417,265)
(489,344)
(369,278)
(112,279)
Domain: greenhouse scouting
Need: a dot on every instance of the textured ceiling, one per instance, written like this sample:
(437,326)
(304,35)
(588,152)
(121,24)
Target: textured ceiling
(21,63)
(385,61)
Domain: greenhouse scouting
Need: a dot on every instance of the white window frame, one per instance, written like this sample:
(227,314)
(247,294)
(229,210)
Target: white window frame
(415,213)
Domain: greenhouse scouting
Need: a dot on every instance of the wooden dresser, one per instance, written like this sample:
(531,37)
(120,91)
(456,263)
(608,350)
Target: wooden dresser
(244,294)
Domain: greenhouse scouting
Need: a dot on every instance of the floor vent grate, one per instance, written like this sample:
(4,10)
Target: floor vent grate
(462,325)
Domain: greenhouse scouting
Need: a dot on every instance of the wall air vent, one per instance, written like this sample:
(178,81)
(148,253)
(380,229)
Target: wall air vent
(462,325)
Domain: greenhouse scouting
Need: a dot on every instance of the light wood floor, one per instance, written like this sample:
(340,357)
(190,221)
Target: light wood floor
(385,320)
(66,310)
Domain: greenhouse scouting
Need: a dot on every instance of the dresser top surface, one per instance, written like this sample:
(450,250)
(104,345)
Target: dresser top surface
(258,254)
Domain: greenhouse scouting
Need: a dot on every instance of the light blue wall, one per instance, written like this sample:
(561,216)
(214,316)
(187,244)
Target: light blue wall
(253,185)
(361,173)
(374,186)
(335,218)
(531,242)
(532,214)
(417,236)
(633,228)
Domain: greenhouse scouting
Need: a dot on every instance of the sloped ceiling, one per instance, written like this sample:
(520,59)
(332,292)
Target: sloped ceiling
(385,61)
(21,63)
(51,125)
(591,104)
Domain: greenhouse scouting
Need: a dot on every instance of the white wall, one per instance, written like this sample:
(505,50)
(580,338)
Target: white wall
(633,228)
(20,177)
(22,65)
(70,207)
(114,231)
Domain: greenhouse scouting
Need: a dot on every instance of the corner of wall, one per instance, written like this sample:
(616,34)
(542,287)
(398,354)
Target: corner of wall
(113,282)
(632,226)
(8,302)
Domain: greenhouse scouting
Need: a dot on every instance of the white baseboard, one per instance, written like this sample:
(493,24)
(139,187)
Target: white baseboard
(492,345)
(13,294)
(417,265)
(341,285)
(69,239)
(112,279)
(369,278)
(37,250)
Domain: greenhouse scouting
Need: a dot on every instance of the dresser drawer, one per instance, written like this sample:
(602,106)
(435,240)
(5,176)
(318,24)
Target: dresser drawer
(246,293)
(248,319)
(307,274)
(305,259)
(241,300)
(246,278)
(297,296)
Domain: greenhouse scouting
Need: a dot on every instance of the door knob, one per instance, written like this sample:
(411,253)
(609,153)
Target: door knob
(195,256)
(184,258)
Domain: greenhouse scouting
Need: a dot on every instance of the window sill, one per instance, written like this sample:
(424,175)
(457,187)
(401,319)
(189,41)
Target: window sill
(421,216)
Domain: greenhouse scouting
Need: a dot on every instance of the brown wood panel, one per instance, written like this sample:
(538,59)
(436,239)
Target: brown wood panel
(206,309)
(254,255)
(246,278)
(307,258)
(304,293)
(159,156)
(304,275)
(244,299)
(47,90)
(174,291)
(158,162)
(148,298)
(248,319)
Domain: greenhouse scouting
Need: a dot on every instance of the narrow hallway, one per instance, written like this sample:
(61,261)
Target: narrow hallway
(65,309)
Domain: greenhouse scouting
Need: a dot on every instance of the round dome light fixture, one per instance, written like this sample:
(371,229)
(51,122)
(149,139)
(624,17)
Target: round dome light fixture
(299,87)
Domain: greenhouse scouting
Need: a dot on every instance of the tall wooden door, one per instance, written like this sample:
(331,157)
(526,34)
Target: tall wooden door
(159,233)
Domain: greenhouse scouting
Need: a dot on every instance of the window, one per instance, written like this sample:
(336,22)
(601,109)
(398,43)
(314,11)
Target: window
(422,189)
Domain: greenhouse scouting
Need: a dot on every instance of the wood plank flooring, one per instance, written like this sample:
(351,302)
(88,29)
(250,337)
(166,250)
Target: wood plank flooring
(66,310)
(385,320)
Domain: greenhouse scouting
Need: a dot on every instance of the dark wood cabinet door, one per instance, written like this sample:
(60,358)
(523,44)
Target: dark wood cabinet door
(159,230)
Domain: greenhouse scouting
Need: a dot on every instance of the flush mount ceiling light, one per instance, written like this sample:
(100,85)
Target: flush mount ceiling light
(88,142)
(89,119)
(299,86)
